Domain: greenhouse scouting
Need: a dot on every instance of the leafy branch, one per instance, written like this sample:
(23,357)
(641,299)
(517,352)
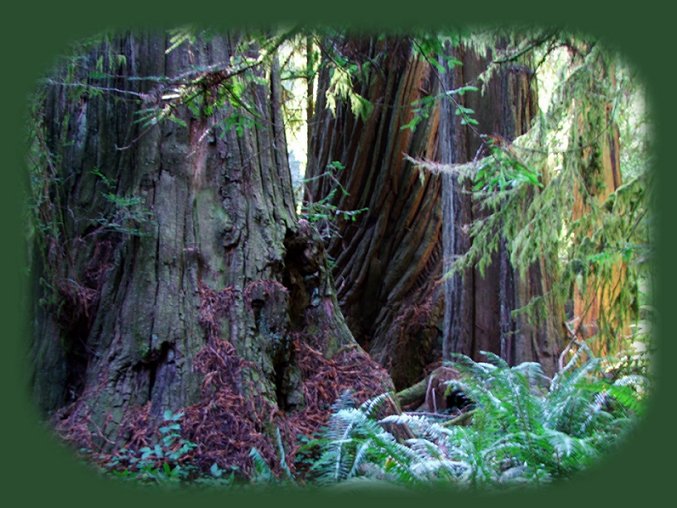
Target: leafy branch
(325,212)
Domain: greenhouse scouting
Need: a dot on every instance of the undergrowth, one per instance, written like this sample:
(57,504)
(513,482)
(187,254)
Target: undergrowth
(168,461)
(526,428)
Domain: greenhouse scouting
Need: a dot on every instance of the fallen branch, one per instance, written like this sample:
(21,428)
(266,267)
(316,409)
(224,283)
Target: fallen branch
(462,419)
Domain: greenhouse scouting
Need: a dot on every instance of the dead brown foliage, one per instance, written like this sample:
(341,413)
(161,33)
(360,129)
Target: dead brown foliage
(231,418)
(226,425)
(324,380)
(213,306)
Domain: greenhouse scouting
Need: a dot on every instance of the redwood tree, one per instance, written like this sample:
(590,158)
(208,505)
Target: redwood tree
(389,262)
(171,271)
(481,301)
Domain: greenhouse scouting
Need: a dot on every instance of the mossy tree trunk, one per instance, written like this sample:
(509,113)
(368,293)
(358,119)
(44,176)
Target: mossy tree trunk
(166,241)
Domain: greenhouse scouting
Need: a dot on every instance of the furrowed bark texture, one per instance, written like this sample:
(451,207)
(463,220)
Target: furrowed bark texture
(220,267)
(388,261)
(479,313)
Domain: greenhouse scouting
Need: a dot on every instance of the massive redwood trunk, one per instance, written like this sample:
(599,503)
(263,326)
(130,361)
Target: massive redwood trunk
(597,141)
(389,263)
(175,274)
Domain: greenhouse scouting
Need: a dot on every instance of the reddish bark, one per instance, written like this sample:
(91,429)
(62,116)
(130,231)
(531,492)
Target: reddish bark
(389,263)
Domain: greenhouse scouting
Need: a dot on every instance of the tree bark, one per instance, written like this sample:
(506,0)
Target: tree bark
(390,263)
(220,302)
(479,312)
(597,139)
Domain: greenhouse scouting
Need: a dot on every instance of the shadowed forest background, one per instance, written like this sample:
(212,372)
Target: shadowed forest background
(316,256)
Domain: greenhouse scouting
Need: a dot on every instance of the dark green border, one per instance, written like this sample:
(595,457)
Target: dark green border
(35,469)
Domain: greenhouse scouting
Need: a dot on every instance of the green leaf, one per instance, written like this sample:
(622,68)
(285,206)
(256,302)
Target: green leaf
(462,90)
(216,471)
(412,124)
(469,121)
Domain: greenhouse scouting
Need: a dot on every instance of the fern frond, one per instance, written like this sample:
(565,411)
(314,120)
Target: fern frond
(372,406)
(533,372)
(262,472)
(282,455)
(569,447)
(436,469)
(360,456)
(420,426)
(345,401)
(495,360)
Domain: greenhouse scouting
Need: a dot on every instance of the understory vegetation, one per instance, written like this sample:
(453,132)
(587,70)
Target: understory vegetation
(525,428)
(520,427)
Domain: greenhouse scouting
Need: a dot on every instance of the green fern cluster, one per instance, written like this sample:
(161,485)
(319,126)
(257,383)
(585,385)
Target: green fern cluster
(526,428)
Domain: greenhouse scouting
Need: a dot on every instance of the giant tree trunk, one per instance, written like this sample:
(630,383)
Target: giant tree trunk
(218,302)
(389,263)
(597,140)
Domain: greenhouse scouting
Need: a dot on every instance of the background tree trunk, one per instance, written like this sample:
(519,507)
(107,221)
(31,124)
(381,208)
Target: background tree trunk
(220,304)
(597,139)
(390,262)
(479,312)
